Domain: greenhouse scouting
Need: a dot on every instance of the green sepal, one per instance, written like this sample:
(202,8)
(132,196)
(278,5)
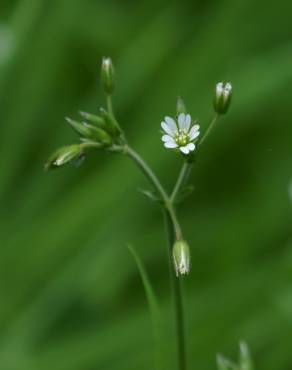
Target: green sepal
(64,155)
(90,132)
(98,134)
(180,106)
(112,125)
(93,119)
(222,97)
(107,75)
(79,128)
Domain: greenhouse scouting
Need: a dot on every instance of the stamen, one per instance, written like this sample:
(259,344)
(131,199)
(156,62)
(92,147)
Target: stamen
(182,137)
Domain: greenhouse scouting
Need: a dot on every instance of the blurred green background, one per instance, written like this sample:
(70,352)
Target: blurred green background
(71,296)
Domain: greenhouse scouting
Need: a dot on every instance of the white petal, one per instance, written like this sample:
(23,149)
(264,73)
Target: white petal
(167,138)
(194,132)
(194,135)
(191,146)
(181,120)
(188,122)
(219,88)
(184,149)
(167,129)
(171,123)
(170,145)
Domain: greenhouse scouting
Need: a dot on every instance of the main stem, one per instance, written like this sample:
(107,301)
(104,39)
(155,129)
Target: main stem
(177,297)
(173,231)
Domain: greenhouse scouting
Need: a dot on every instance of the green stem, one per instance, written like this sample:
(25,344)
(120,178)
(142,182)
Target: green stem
(177,297)
(109,105)
(90,144)
(182,179)
(209,129)
(156,183)
(173,232)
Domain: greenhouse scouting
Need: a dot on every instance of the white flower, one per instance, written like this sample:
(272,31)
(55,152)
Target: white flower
(180,135)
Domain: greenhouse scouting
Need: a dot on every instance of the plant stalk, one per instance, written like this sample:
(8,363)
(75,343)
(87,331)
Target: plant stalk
(173,231)
(177,297)
(182,179)
(209,129)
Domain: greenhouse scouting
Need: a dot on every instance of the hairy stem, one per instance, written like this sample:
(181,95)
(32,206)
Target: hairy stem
(177,297)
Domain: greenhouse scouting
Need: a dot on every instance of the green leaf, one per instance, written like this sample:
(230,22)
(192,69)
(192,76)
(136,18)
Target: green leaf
(152,195)
(154,309)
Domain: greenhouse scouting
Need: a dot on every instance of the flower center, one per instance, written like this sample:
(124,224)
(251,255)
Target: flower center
(181,137)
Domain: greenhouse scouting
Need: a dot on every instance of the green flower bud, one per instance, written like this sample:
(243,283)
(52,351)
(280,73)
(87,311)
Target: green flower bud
(98,134)
(181,257)
(180,106)
(107,75)
(222,98)
(92,118)
(63,156)
(112,125)
(79,128)
(90,132)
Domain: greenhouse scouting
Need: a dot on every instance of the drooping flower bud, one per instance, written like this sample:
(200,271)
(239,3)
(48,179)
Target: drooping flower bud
(222,98)
(107,75)
(181,257)
(63,156)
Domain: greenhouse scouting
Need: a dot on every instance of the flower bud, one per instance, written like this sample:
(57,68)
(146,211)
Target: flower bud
(112,125)
(79,128)
(180,106)
(92,118)
(98,134)
(107,75)
(222,99)
(181,257)
(63,156)
(90,132)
